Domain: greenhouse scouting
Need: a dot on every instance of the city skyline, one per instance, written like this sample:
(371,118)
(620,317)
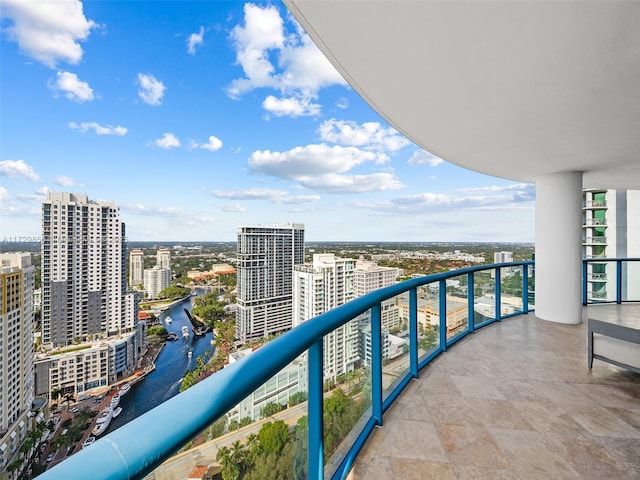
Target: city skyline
(196,117)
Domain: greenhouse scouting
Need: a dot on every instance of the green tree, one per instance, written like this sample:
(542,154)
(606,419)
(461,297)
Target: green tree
(230,470)
(271,409)
(273,436)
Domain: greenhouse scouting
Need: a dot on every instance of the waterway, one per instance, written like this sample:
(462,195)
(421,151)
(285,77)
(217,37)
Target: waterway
(171,365)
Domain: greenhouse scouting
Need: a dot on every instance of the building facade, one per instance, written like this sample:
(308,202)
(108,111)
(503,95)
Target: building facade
(322,286)
(85,301)
(16,354)
(83,270)
(136,268)
(163,258)
(611,229)
(156,279)
(266,256)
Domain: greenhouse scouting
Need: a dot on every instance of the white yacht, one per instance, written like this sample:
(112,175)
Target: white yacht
(103,421)
(115,401)
(117,412)
(185,331)
(168,320)
(124,389)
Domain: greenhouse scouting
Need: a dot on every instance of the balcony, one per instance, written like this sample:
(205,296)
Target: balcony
(598,240)
(594,204)
(512,399)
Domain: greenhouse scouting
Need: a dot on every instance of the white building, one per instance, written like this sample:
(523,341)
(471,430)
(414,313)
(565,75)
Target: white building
(136,268)
(163,258)
(369,276)
(611,226)
(156,279)
(83,270)
(16,353)
(278,389)
(502,257)
(266,256)
(322,286)
(84,296)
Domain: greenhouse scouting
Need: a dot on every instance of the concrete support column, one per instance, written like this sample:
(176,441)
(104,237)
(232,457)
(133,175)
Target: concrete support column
(558,269)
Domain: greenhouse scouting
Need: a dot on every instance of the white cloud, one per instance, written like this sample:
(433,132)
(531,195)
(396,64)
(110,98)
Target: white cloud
(48,31)
(18,168)
(99,129)
(212,145)
(39,195)
(275,196)
(65,181)
(194,40)
(73,88)
(311,160)
(168,140)
(232,208)
(370,135)
(290,107)
(323,168)
(421,157)
(342,103)
(509,197)
(4,194)
(288,62)
(151,89)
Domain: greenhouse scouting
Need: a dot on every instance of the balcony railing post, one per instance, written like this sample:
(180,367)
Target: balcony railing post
(584,281)
(498,286)
(376,363)
(315,411)
(618,281)
(525,288)
(413,332)
(470,302)
(442,291)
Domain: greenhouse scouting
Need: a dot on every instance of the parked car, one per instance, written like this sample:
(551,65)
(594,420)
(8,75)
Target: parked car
(50,457)
(74,410)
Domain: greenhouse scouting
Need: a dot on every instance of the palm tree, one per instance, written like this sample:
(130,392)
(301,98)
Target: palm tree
(56,393)
(238,454)
(68,397)
(230,470)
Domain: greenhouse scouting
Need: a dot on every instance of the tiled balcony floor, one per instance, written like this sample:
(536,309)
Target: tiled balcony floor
(515,400)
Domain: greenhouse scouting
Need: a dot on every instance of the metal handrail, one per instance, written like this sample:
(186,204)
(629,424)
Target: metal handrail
(138,447)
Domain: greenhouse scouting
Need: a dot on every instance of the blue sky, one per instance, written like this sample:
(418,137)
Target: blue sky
(197,117)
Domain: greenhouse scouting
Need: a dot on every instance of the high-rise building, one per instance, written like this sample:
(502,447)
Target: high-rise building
(163,258)
(611,226)
(136,268)
(266,256)
(322,286)
(83,269)
(502,257)
(16,353)
(369,276)
(156,279)
(84,297)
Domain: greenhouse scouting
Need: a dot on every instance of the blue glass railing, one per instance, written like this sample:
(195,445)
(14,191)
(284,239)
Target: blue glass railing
(609,280)
(464,299)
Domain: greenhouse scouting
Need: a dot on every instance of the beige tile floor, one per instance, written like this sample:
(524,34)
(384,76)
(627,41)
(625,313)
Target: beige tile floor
(515,400)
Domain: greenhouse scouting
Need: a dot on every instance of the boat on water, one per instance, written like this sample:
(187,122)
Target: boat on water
(115,401)
(117,412)
(185,331)
(124,389)
(189,354)
(168,320)
(171,336)
(103,421)
(88,441)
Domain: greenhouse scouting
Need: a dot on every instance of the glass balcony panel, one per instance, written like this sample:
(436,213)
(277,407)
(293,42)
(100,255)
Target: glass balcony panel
(395,346)
(510,290)
(531,290)
(457,306)
(484,298)
(243,446)
(428,320)
(630,281)
(347,400)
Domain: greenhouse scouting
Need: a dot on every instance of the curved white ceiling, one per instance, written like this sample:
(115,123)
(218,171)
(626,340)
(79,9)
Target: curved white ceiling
(511,89)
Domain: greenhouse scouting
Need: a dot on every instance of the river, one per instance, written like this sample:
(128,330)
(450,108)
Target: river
(171,365)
